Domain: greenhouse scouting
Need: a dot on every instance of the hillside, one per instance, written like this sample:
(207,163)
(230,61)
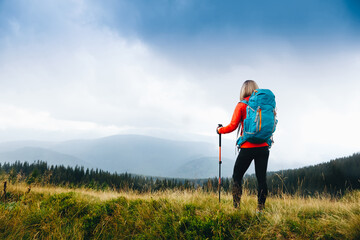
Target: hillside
(62,213)
(336,177)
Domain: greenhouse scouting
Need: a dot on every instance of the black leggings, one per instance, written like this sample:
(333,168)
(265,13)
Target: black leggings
(243,161)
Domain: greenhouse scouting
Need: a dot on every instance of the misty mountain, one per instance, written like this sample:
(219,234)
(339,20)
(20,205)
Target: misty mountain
(120,153)
(31,154)
(205,167)
(14,145)
(136,154)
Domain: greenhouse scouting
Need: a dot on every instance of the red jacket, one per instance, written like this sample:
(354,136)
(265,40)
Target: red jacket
(237,118)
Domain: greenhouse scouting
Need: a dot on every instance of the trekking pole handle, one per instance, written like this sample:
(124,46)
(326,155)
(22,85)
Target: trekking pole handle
(219,126)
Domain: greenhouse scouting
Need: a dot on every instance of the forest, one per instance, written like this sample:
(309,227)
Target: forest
(335,177)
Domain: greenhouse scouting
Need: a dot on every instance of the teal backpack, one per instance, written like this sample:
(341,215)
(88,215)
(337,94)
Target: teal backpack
(260,122)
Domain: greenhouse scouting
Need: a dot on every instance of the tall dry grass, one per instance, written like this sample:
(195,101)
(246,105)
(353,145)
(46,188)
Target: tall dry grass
(49,212)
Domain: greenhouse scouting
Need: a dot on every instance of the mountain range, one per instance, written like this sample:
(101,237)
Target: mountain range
(135,154)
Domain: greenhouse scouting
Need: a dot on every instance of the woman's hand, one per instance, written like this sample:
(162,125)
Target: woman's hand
(217,129)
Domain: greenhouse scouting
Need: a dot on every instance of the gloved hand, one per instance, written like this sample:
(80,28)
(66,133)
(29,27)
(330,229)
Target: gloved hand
(217,129)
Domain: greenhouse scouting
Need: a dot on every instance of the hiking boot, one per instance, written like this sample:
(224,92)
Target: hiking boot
(236,203)
(236,192)
(261,206)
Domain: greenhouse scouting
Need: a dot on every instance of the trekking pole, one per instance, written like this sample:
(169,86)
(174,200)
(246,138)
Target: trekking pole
(219,125)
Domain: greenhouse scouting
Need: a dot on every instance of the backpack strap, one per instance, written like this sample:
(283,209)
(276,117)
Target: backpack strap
(244,101)
(247,103)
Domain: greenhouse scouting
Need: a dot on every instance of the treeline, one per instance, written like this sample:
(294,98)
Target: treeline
(334,177)
(42,174)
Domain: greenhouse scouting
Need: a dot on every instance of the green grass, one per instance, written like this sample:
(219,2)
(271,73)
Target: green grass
(60,213)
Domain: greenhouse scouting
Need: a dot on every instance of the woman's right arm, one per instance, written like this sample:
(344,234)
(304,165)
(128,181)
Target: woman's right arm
(235,121)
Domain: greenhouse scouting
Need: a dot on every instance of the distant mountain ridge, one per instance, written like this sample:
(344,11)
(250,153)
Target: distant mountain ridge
(202,167)
(124,153)
(31,154)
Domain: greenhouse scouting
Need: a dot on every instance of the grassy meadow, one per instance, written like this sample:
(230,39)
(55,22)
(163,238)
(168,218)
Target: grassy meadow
(48,212)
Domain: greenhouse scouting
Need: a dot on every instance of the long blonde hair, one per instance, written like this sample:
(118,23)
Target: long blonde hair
(247,89)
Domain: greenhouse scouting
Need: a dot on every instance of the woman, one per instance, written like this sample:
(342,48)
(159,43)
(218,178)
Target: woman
(249,151)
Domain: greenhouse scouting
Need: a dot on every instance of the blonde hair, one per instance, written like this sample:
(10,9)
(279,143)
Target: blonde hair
(248,87)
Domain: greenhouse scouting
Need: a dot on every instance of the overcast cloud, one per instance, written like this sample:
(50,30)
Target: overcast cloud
(85,69)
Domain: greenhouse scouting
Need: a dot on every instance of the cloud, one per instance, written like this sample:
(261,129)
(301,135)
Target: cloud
(293,19)
(16,118)
(102,78)
(70,72)
(32,125)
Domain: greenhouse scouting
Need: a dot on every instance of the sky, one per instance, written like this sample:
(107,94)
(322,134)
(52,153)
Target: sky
(76,69)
